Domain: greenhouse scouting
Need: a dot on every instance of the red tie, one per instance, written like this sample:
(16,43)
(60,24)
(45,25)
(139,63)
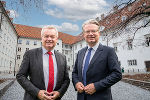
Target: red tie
(51,73)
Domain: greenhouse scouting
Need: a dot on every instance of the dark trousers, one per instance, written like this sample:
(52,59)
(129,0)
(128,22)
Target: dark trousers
(85,96)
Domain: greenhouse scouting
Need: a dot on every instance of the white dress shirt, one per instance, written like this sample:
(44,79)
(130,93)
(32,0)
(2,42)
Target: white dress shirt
(46,67)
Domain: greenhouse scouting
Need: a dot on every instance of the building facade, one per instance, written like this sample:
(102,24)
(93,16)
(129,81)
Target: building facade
(132,46)
(8,42)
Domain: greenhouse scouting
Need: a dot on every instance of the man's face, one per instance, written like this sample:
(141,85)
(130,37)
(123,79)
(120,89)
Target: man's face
(91,34)
(49,39)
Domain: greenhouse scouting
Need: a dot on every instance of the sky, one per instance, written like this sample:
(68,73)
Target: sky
(67,15)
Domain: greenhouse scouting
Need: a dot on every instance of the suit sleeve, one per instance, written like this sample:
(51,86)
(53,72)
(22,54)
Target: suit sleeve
(66,80)
(75,78)
(23,74)
(115,74)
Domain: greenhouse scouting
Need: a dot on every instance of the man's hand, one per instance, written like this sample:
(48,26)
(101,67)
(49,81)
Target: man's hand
(44,95)
(80,87)
(90,89)
(54,95)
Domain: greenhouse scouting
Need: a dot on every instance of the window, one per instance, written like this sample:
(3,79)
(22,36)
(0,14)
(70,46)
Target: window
(27,49)
(129,8)
(144,4)
(107,22)
(132,62)
(27,42)
(147,41)
(66,52)
(1,62)
(35,42)
(75,47)
(80,45)
(19,41)
(3,49)
(70,47)
(102,28)
(71,55)
(130,44)
(66,46)
(68,59)
(115,46)
(0,32)
(0,47)
(18,56)
(145,21)
(0,20)
(19,49)
(124,18)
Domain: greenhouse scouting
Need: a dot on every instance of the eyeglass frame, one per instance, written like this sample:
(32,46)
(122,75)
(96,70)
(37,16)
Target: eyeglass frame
(90,31)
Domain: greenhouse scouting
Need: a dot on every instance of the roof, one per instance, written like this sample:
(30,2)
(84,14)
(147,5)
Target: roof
(35,32)
(115,18)
(28,31)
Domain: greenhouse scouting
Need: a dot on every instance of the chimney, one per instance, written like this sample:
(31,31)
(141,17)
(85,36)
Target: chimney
(102,16)
(115,8)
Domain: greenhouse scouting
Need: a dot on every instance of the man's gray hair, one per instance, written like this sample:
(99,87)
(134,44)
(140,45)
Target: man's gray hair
(49,27)
(91,21)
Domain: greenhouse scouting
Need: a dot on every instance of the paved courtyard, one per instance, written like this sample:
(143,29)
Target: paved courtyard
(120,91)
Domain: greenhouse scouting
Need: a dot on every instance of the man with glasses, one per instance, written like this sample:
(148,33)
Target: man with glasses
(96,68)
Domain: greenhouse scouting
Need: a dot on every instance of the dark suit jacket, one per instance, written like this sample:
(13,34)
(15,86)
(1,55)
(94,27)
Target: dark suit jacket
(31,75)
(103,71)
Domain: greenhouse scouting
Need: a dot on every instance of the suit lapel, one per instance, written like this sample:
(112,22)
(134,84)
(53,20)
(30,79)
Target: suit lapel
(82,54)
(40,61)
(58,61)
(96,55)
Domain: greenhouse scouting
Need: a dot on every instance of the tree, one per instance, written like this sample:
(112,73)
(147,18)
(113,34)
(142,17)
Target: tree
(24,6)
(122,15)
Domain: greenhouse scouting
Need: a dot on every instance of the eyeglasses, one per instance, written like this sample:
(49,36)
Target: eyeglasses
(90,31)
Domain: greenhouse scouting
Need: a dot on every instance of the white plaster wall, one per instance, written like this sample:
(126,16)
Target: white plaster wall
(8,42)
(139,52)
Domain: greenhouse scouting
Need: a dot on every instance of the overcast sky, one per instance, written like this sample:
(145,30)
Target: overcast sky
(66,15)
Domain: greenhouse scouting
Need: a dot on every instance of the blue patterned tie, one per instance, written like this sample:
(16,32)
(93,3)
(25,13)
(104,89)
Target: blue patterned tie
(86,64)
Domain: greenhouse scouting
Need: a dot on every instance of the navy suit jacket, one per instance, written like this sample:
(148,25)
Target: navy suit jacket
(31,75)
(103,71)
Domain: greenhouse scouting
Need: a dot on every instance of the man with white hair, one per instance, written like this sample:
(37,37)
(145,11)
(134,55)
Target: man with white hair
(46,69)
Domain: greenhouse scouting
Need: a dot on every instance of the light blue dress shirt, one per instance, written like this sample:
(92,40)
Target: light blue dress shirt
(92,54)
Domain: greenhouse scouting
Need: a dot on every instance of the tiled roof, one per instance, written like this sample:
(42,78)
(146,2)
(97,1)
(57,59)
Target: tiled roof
(35,32)
(66,38)
(115,18)
(28,31)
(79,38)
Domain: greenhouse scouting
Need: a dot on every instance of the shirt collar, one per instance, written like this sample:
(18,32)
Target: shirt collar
(94,47)
(45,51)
